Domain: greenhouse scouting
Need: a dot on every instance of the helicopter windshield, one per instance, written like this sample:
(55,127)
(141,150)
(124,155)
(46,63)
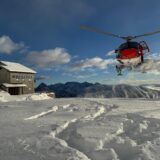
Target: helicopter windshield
(128,45)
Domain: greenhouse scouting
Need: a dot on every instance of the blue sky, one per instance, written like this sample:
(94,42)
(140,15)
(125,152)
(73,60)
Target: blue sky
(45,35)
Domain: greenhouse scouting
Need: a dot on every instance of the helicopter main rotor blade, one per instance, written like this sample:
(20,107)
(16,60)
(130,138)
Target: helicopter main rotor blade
(99,31)
(147,34)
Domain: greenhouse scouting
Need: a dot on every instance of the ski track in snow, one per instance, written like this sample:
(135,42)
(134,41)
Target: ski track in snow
(100,109)
(90,117)
(60,129)
(135,137)
(82,129)
(26,146)
(127,136)
(54,109)
(63,142)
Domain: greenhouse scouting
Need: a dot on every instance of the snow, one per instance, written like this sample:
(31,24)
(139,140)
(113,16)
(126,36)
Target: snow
(96,129)
(14,85)
(15,67)
(54,109)
(6,97)
(37,96)
(153,87)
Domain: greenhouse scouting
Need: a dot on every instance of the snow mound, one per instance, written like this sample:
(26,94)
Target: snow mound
(40,96)
(6,97)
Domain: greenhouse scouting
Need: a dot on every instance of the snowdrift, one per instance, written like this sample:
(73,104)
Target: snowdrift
(6,97)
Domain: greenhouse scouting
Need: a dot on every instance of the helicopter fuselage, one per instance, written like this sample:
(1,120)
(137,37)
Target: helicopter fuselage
(130,54)
(130,62)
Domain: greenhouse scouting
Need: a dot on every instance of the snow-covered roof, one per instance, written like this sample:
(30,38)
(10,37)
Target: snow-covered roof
(15,67)
(13,85)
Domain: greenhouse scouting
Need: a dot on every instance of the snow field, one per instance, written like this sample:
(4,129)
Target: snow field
(46,142)
(93,129)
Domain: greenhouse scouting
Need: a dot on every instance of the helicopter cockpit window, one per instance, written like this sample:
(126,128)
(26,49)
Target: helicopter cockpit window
(128,45)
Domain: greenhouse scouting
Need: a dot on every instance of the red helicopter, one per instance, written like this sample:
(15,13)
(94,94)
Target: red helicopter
(129,54)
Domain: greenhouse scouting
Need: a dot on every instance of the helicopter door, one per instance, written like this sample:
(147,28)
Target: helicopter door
(144,46)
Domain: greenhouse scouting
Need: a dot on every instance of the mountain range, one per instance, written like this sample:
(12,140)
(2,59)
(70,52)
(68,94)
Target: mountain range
(85,89)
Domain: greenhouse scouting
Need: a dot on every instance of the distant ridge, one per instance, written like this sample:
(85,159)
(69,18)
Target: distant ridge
(97,90)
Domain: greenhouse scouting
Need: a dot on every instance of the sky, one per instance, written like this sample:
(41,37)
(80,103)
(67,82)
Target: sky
(46,36)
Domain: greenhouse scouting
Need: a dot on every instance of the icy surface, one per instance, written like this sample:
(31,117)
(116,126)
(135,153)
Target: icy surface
(80,129)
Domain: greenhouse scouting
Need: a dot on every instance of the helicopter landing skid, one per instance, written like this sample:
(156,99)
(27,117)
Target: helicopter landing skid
(119,69)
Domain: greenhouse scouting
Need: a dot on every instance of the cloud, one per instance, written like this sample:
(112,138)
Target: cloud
(154,72)
(131,82)
(43,77)
(154,55)
(78,76)
(133,78)
(49,58)
(7,46)
(95,62)
(149,66)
